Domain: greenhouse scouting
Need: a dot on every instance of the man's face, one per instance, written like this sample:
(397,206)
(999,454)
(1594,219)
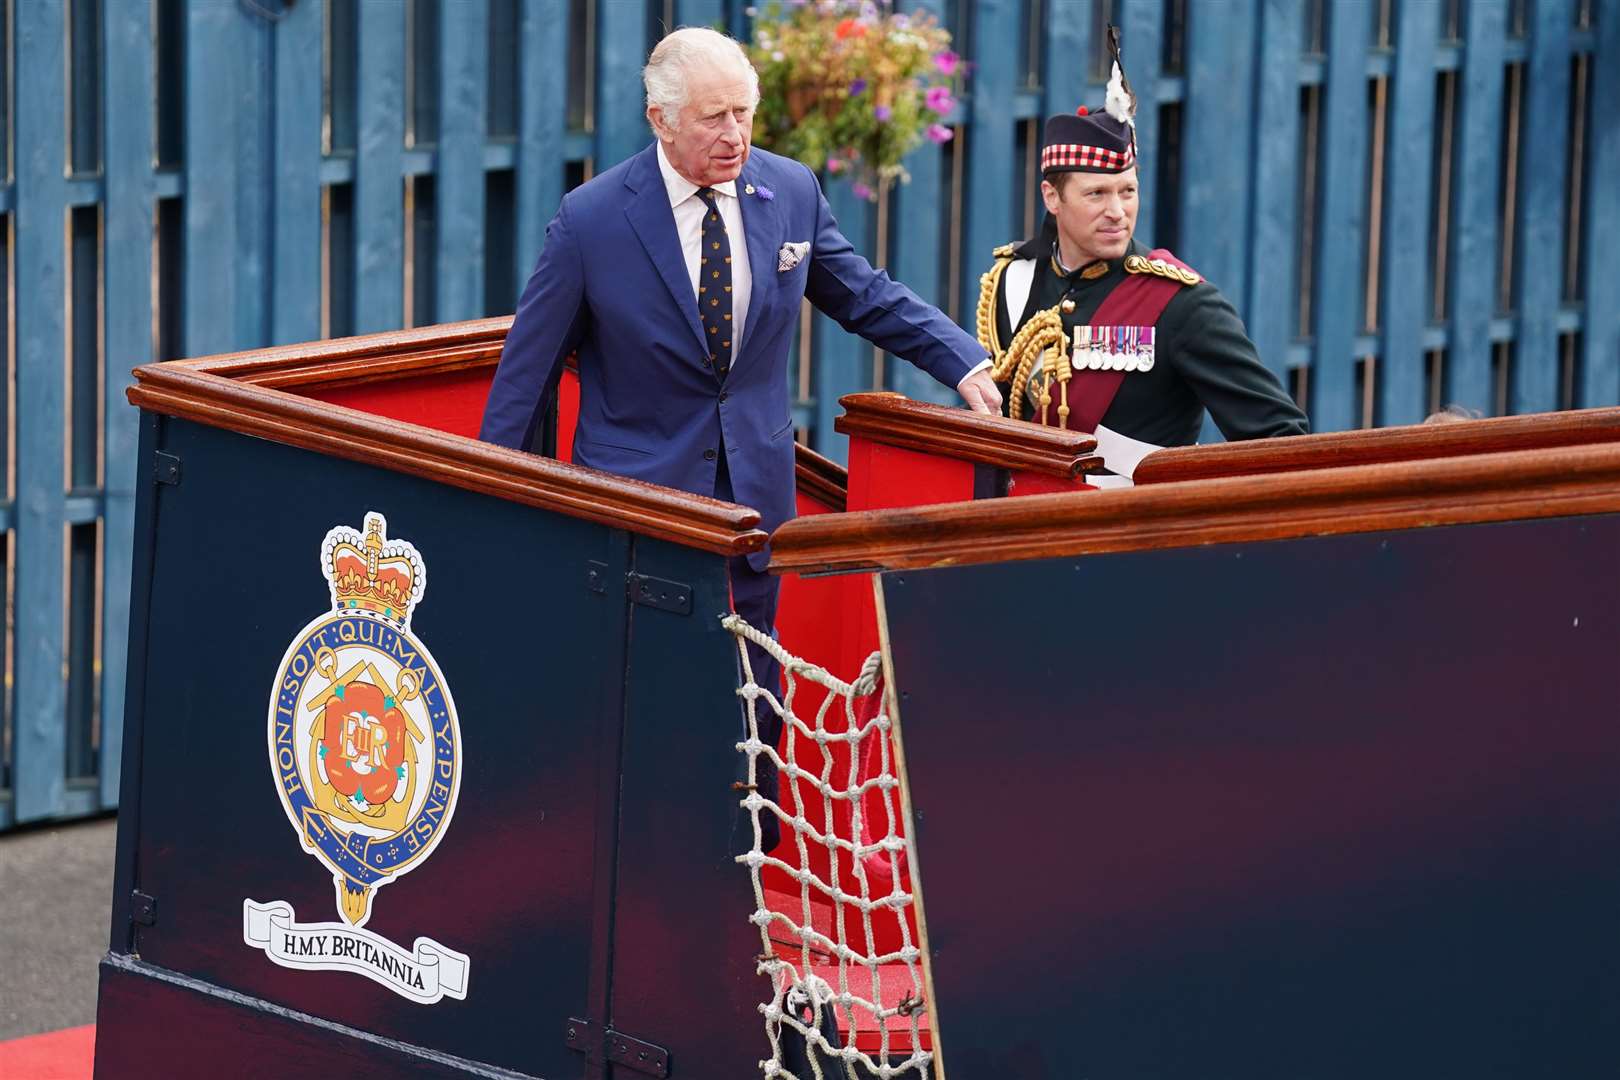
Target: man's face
(1095,212)
(715,129)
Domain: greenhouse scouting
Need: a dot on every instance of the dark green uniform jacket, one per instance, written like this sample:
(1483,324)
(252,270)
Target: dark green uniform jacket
(1203,358)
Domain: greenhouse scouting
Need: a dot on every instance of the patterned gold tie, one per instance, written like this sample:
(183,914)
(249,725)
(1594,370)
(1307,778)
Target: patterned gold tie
(714,285)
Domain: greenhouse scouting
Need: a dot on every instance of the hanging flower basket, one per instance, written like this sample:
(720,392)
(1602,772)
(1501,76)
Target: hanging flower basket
(852,88)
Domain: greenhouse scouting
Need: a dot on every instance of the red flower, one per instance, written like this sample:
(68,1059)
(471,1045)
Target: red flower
(850,28)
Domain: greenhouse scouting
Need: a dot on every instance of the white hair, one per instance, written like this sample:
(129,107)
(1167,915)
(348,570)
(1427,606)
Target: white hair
(679,54)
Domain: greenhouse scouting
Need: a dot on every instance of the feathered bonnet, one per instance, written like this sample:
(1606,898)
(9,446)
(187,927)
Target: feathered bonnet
(1102,142)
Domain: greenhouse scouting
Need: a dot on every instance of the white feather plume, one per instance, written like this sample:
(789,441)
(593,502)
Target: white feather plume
(1118,102)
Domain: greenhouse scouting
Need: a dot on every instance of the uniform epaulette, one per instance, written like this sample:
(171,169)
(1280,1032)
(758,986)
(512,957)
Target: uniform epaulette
(1006,251)
(1141,264)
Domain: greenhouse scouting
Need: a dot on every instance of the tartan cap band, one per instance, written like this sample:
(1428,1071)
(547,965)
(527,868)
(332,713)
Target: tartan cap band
(1078,157)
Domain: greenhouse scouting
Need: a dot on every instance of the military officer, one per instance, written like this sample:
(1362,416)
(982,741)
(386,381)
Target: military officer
(1093,331)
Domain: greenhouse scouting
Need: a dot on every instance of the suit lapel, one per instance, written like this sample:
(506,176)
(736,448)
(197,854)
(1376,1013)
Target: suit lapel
(763,230)
(654,223)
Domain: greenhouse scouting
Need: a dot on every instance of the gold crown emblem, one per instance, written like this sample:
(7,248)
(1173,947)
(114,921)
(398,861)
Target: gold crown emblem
(371,574)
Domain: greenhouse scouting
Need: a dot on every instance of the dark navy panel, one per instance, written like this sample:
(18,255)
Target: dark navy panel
(1362,823)
(683,958)
(138,1017)
(514,630)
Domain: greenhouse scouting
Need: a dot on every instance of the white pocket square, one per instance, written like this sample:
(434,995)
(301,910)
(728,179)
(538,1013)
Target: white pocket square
(791,255)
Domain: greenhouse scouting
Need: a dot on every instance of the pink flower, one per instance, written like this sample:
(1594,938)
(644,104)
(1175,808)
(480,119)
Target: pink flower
(938,99)
(939,133)
(835,165)
(861,190)
(947,62)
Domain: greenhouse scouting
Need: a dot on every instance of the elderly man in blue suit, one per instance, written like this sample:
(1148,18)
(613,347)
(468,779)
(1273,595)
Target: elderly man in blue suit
(676,277)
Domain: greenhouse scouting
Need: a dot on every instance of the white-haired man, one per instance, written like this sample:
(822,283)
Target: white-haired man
(676,277)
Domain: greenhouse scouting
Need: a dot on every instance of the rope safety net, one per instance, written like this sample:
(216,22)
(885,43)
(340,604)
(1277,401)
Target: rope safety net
(832,901)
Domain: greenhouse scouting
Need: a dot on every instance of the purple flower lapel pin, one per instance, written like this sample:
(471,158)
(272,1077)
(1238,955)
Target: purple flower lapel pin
(760,192)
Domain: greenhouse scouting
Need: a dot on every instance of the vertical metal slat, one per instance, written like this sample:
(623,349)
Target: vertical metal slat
(127,314)
(842,360)
(212,61)
(39,747)
(543,78)
(1275,251)
(622,47)
(1405,285)
(1600,365)
(1478,171)
(990,204)
(1141,44)
(463,111)
(917,252)
(1543,193)
(379,185)
(1340,243)
(1215,222)
(295,274)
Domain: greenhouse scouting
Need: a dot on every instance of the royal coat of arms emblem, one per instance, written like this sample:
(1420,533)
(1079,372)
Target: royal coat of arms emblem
(365,749)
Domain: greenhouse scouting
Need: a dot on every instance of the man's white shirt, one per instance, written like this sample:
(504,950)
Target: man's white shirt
(689,211)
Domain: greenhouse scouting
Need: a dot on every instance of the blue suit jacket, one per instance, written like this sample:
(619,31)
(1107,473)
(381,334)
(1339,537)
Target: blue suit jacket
(612,286)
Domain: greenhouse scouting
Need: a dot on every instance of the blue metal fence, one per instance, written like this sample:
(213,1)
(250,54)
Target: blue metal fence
(1413,202)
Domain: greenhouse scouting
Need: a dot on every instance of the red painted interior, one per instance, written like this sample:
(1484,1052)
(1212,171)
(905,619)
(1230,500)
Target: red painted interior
(881,477)
(451,401)
(567,413)
(1020,482)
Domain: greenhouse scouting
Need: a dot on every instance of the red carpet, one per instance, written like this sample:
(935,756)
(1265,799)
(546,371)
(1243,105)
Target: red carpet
(55,1055)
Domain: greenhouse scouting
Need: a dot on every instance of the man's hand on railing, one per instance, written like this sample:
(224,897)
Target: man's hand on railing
(980,392)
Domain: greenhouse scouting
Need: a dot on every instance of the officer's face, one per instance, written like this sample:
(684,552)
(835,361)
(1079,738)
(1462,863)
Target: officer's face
(709,142)
(1095,212)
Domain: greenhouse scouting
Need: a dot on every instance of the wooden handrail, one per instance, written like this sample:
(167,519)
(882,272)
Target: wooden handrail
(895,420)
(431,350)
(242,393)
(1377,446)
(1323,502)
(369,358)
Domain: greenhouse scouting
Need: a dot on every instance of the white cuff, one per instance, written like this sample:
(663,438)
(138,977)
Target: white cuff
(980,366)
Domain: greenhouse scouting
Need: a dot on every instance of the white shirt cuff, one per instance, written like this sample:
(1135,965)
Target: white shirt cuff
(980,366)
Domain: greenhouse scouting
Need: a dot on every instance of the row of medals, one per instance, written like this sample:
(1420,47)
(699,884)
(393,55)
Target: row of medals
(1113,348)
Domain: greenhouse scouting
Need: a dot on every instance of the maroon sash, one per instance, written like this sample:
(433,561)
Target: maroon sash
(1139,300)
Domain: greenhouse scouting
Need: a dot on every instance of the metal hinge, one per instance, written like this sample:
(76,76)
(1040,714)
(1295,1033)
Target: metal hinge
(166,467)
(659,593)
(605,1044)
(596,576)
(142,909)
